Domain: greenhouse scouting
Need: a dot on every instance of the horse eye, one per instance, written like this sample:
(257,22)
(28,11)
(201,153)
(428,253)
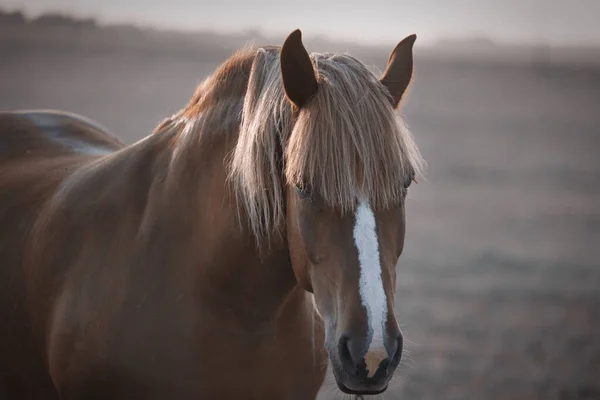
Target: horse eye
(409,181)
(304,191)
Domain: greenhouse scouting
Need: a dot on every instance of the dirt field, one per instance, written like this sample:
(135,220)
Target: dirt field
(499,285)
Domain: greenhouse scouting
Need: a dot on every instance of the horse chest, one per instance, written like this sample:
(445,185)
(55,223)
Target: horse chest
(152,353)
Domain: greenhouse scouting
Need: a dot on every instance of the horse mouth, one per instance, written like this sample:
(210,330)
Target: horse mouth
(345,389)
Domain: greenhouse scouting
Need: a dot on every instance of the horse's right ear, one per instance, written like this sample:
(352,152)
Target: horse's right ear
(297,72)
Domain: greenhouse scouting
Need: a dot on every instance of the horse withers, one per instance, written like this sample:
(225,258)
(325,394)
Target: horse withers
(246,242)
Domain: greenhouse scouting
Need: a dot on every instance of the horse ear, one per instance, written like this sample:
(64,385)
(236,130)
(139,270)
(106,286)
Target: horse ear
(398,72)
(299,81)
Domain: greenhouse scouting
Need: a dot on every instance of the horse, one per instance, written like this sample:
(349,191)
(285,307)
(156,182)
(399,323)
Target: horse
(239,249)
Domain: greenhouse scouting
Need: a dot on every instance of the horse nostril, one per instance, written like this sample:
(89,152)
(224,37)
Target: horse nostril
(344,353)
(347,355)
(395,352)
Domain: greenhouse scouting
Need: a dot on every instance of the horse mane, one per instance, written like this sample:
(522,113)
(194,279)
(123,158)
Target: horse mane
(346,142)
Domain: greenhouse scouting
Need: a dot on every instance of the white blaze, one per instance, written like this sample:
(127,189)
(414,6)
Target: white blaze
(370,283)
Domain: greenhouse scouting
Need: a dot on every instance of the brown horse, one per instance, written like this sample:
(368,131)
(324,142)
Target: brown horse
(249,239)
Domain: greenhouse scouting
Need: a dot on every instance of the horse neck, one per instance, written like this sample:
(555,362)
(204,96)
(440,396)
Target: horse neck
(231,273)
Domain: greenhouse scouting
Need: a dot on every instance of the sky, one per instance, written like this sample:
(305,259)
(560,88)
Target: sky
(567,22)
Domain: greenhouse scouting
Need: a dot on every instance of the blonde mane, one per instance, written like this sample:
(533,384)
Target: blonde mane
(346,142)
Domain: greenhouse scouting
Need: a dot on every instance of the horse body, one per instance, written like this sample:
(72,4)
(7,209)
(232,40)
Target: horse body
(101,285)
(232,253)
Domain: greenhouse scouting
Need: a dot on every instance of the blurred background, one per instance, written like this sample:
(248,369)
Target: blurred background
(499,285)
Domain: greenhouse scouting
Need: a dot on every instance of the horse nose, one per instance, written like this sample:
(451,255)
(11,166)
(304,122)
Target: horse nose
(369,360)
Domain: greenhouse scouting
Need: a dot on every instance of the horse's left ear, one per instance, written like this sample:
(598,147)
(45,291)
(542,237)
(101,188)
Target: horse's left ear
(398,72)
(297,71)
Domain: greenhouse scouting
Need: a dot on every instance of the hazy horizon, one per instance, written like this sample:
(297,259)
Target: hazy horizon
(376,21)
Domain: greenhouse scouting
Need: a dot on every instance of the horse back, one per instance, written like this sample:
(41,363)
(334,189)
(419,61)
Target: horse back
(51,133)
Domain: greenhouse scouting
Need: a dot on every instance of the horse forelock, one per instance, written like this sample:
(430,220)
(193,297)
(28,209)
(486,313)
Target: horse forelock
(347,142)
